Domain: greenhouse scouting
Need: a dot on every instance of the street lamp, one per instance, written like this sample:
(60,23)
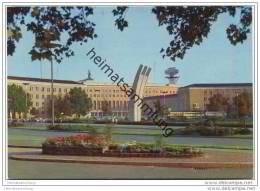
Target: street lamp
(164,101)
(26,84)
(49,35)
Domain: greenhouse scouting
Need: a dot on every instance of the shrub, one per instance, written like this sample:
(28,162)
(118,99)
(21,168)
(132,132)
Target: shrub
(56,127)
(69,127)
(15,124)
(75,140)
(108,132)
(242,131)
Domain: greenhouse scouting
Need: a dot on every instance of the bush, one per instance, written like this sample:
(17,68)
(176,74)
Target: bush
(242,131)
(56,127)
(69,127)
(15,124)
(211,131)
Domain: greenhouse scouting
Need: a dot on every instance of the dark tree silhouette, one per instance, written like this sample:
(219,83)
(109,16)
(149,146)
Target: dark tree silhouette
(18,101)
(188,26)
(61,105)
(80,103)
(50,23)
(243,104)
(218,103)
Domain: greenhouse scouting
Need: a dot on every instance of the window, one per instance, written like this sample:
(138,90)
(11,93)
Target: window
(42,89)
(48,89)
(36,88)
(60,90)
(65,90)
(37,104)
(37,96)
(31,88)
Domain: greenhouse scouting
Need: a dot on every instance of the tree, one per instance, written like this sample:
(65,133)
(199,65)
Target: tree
(218,103)
(34,111)
(80,102)
(243,104)
(62,106)
(188,25)
(162,110)
(18,101)
(105,107)
(68,23)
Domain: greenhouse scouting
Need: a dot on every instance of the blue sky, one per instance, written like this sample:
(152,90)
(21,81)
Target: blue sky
(214,61)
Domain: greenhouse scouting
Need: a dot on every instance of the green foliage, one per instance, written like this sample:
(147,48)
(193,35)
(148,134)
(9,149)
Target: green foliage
(243,104)
(34,111)
(69,127)
(62,106)
(108,132)
(162,110)
(18,101)
(218,103)
(159,141)
(242,131)
(50,23)
(211,131)
(92,131)
(190,25)
(105,107)
(79,101)
(187,25)
(120,22)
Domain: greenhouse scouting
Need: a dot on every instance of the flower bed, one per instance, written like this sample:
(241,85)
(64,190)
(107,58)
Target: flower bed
(98,146)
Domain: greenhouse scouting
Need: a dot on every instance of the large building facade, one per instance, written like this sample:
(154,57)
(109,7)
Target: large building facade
(39,91)
(195,97)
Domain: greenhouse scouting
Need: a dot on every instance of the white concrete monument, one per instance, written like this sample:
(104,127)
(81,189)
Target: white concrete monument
(139,84)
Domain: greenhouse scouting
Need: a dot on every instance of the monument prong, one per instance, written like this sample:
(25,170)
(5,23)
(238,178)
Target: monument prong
(139,84)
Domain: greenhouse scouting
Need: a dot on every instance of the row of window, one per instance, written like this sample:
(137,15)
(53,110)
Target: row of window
(111,104)
(119,91)
(100,114)
(222,91)
(43,89)
(37,96)
(107,95)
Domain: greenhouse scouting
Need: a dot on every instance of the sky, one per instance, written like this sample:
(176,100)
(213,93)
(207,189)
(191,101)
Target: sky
(214,61)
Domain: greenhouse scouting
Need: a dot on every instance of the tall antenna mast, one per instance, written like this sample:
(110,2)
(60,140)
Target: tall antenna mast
(172,75)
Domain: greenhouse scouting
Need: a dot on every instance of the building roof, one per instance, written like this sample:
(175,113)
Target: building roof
(161,96)
(218,85)
(41,80)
